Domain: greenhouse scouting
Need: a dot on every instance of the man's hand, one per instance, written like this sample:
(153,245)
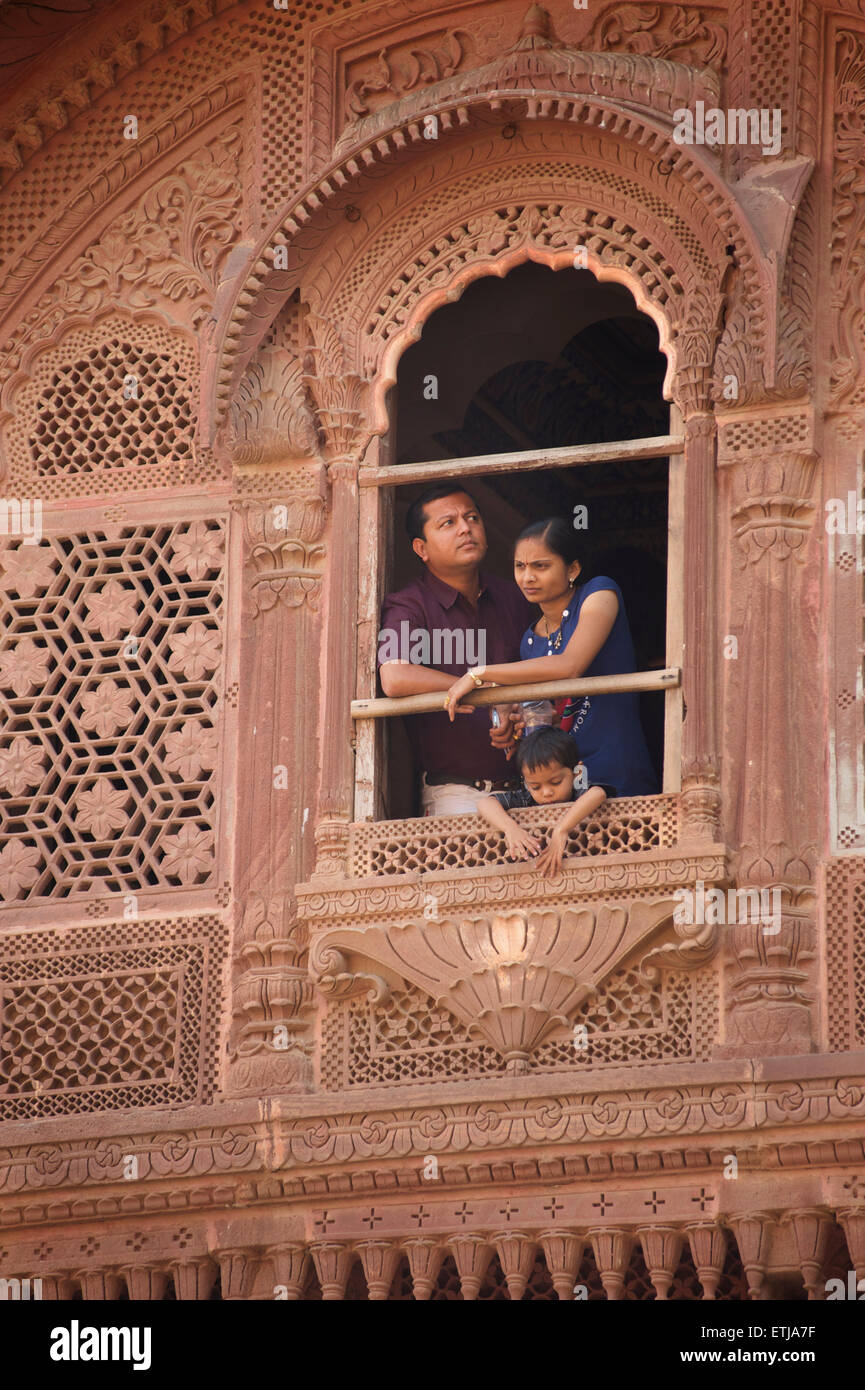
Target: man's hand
(503,737)
(550,862)
(520,844)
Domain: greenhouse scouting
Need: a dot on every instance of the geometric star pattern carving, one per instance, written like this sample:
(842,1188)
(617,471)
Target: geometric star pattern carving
(110,659)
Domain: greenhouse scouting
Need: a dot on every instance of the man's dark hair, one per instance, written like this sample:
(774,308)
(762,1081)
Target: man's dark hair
(416,518)
(542,746)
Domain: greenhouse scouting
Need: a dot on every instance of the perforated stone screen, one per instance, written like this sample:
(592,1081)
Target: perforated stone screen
(109,1017)
(111,652)
(628,825)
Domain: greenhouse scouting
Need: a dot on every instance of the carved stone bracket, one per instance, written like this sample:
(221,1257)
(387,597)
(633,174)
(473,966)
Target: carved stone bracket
(510,977)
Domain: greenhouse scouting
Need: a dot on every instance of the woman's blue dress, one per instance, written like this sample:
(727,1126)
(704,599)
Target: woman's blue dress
(607,728)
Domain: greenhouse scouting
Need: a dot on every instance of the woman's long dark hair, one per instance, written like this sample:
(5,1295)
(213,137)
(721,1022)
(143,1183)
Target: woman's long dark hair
(559,536)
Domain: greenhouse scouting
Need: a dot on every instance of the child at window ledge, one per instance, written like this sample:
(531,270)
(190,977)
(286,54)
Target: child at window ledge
(547,760)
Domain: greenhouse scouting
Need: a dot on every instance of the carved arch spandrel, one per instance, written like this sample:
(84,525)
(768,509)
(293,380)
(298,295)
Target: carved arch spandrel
(682,177)
(484,208)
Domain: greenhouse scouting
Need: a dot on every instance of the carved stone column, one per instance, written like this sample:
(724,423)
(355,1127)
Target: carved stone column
(812,1228)
(145,1283)
(279,523)
(284,560)
(662,1251)
(340,399)
(773,777)
(701,792)
(516,1253)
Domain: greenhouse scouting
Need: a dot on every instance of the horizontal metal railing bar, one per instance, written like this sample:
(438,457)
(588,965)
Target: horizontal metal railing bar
(655,446)
(433,700)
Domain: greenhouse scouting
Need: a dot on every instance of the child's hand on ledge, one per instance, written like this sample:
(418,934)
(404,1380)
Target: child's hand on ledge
(550,862)
(520,844)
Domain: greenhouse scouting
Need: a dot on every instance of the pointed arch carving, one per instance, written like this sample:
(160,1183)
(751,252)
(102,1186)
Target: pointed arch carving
(606,116)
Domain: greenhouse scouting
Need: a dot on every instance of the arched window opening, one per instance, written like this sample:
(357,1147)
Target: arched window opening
(536,361)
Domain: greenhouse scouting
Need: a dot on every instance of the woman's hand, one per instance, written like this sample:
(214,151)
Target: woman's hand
(464,686)
(520,844)
(550,862)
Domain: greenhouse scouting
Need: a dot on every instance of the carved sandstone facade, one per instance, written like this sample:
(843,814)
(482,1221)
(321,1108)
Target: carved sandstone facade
(238,1053)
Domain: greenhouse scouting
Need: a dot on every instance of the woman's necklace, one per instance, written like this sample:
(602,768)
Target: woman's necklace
(551,645)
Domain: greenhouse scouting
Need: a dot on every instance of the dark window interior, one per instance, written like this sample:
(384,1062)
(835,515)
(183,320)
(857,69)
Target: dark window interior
(542,359)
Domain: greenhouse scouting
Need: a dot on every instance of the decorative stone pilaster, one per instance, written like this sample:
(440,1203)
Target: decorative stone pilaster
(701,793)
(770,784)
(340,399)
(283,552)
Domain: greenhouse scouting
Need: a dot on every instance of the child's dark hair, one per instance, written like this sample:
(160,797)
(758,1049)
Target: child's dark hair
(544,746)
(559,536)
(416,517)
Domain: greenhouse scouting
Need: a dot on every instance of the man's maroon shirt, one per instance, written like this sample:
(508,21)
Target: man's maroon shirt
(503,615)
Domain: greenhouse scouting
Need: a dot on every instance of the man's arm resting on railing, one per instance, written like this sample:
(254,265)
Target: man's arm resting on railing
(405,678)
(400,678)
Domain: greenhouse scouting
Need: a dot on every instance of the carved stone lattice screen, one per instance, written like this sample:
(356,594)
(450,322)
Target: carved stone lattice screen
(631,1021)
(627,825)
(110,683)
(111,406)
(845,953)
(110,1016)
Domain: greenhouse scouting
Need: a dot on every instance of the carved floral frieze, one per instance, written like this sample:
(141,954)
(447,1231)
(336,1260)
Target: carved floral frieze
(165,253)
(286,552)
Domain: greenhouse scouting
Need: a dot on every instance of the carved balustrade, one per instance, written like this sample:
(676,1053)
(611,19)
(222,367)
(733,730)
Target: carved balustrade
(435,904)
(539,1250)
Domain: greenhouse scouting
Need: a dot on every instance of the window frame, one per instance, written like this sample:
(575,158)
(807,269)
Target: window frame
(377,483)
